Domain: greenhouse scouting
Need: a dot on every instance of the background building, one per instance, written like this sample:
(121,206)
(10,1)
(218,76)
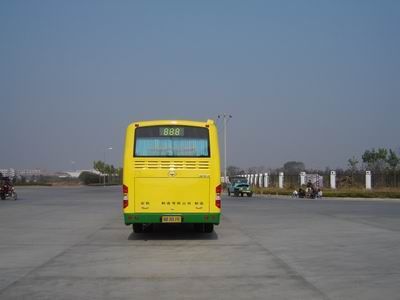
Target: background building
(8,172)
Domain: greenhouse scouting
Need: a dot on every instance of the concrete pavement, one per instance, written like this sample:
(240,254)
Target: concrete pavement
(64,243)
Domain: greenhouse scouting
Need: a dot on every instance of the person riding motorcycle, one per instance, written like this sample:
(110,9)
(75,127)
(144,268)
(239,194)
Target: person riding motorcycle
(311,190)
(7,188)
(7,184)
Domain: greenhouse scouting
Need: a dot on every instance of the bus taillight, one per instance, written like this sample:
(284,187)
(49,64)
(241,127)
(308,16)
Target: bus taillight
(125,199)
(218,190)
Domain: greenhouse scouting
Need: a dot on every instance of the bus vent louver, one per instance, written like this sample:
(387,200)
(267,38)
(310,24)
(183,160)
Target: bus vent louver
(166,164)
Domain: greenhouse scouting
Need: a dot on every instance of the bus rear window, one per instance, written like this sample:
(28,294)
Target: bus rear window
(171,141)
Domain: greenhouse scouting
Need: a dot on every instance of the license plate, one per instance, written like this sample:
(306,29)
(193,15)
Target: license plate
(171,219)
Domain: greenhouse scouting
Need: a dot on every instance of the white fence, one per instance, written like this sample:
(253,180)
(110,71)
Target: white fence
(263,179)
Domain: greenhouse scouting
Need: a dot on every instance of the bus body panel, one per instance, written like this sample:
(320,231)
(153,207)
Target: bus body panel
(166,186)
(172,195)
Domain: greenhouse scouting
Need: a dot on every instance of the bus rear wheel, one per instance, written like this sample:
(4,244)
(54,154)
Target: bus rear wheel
(208,228)
(204,227)
(137,228)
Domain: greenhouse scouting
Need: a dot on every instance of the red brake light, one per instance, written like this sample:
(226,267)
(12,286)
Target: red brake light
(125,200)
(218,190)
(218,203)
(125,203)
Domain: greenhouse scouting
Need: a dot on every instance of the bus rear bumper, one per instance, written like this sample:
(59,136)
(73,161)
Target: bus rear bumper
(149,218)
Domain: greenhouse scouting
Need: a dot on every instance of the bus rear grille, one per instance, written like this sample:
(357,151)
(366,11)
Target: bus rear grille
(166,164)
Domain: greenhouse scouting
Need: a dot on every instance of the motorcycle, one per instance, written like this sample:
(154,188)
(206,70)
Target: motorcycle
(309,193)
(7,191)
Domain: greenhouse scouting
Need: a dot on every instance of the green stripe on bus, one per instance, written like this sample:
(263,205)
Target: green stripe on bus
(132,218)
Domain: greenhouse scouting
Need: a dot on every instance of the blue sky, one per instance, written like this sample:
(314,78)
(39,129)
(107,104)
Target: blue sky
(315,81)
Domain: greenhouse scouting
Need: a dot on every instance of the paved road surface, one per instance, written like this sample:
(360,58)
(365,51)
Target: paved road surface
(70,243)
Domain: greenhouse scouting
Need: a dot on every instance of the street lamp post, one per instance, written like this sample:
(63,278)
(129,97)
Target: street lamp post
(225,118)
(105,151)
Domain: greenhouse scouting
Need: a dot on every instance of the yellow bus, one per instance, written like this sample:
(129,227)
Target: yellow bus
(172,174)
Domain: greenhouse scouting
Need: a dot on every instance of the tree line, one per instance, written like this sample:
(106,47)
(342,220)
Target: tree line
(107,169)
(379,160)
(111,174)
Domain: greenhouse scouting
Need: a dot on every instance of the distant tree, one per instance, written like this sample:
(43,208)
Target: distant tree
(120,172)
(352,164)
(233,170)
(375,159)
(99,166)
(339,171)
(95,166)
(392,160)
(348,180)
(112,170)
(293,167)
(369,157)
(107,169)
(89,178)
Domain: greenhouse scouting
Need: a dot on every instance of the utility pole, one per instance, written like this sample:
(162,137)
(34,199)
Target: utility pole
(225,118)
